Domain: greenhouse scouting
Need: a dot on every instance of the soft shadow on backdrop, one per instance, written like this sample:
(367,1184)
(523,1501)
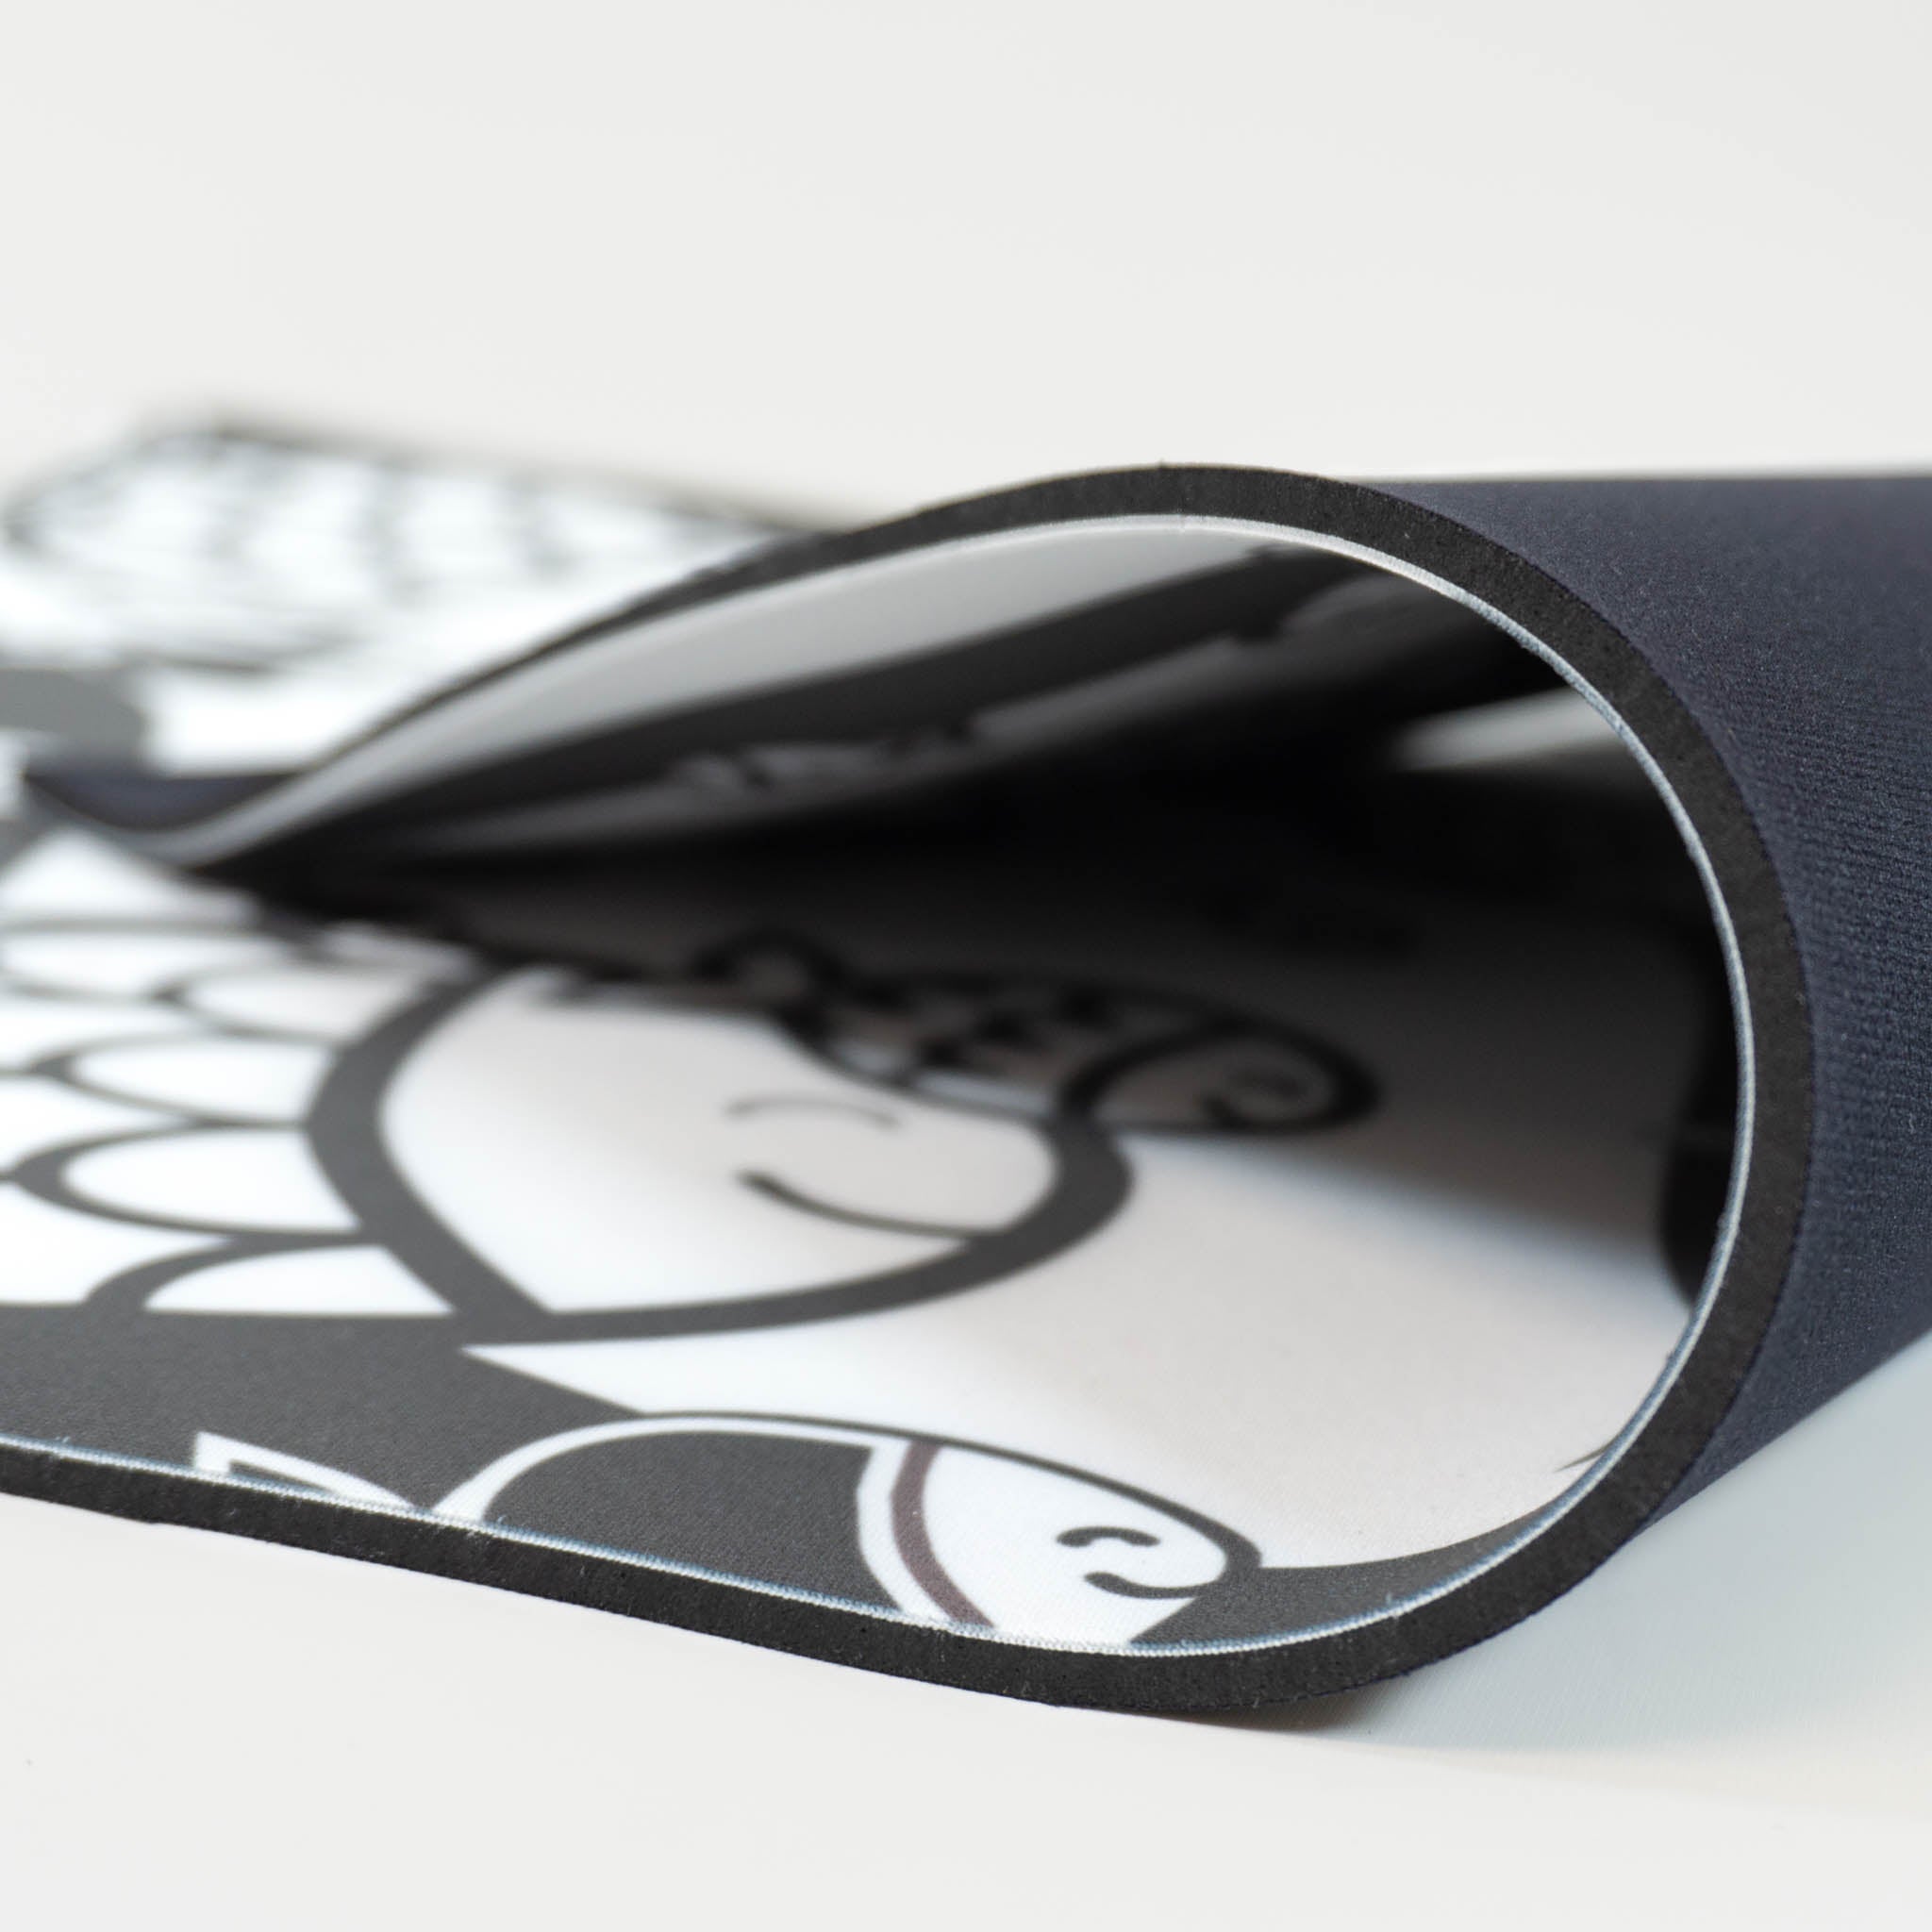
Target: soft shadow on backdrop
(1769,1638)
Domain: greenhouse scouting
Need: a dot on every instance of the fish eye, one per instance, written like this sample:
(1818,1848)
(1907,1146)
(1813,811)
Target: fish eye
(1104,1532)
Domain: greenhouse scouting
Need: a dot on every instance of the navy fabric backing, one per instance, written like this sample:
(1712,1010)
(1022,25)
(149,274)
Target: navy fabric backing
(1793,619)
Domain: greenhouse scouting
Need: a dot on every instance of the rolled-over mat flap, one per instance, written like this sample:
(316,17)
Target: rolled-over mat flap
(1170,1089)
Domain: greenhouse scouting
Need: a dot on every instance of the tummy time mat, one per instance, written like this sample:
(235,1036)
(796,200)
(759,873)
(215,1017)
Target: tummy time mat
(1165,1090)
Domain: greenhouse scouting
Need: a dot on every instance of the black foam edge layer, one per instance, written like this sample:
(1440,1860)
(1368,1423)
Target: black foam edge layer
(1643,1479)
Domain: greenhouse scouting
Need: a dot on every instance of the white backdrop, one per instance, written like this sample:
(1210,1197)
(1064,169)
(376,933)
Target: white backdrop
(866,253)
(850,256)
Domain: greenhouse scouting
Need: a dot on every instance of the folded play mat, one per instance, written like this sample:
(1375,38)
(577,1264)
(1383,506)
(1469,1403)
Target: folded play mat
(1168,1089)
